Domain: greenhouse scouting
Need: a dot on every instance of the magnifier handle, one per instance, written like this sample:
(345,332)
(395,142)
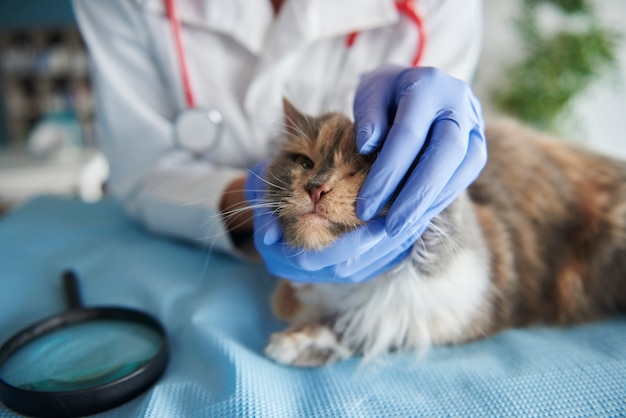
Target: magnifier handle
(72,290)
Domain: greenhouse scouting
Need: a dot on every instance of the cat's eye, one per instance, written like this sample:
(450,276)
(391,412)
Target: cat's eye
(303,161)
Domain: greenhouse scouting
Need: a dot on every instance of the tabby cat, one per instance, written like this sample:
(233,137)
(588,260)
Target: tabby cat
(539,237)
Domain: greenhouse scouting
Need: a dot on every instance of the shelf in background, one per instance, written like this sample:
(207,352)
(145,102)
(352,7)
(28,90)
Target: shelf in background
(44,72)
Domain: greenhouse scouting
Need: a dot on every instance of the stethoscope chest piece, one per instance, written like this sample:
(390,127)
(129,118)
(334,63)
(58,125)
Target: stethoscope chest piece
(198,130)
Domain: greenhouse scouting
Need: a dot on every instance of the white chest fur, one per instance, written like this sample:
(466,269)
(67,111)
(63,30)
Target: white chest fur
(402,309)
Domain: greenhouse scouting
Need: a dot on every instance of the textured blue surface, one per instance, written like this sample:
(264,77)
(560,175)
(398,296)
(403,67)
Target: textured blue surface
(217,316)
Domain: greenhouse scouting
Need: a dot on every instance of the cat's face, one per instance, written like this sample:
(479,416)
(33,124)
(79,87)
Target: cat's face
(316,179)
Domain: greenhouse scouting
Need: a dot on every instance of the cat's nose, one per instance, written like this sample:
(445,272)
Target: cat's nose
(316,192)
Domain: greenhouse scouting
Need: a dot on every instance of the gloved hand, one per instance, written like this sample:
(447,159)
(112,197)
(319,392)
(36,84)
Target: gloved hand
(434,139)
(428,129)
(355,257)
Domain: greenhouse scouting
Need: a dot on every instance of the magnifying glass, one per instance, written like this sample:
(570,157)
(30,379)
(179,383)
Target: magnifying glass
(81,361)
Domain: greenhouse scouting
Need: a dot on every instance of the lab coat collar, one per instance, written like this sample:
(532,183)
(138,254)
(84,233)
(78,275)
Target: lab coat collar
(250,22)
(328,18)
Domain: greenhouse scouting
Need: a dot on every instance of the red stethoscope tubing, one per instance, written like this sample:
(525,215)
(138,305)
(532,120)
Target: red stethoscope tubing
(406,7)
(172,16)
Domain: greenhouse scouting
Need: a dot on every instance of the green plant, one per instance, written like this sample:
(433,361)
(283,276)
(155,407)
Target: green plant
(555,67)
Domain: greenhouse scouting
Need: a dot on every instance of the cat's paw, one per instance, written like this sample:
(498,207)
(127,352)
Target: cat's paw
(306,345)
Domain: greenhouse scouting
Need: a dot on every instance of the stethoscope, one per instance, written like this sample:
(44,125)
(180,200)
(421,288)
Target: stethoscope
(198,129)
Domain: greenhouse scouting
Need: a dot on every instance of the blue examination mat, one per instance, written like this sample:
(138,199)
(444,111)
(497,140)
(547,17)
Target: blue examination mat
(216,312)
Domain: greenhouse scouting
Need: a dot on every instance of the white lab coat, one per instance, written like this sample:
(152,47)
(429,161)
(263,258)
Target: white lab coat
(242,60)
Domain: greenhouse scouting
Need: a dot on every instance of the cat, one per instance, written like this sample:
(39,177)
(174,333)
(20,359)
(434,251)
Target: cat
(539,237)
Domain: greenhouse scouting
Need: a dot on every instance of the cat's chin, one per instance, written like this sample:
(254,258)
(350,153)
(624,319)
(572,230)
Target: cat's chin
(314,220)
(310,231)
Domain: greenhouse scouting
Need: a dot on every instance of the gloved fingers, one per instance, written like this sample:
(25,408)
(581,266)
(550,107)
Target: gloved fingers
(468,171)
(267,228)
(266,225)
(397,156)
(445,151)
(380,255)
(374,97)
(287,272)
(273,232)
(346,247)
(281,261)
(385,264)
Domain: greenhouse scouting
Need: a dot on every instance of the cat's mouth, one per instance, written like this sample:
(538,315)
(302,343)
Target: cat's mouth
(314,221)
(312,229)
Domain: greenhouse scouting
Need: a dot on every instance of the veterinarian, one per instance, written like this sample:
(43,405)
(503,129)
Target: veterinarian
(188,97)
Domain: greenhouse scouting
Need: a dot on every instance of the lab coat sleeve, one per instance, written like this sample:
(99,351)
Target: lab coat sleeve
(163,187)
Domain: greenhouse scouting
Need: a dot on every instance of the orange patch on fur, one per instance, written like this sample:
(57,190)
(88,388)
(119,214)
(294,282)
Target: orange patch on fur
(285,304)
(572,303)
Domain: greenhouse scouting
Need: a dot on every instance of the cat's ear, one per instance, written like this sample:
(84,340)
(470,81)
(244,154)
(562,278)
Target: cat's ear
(294,120)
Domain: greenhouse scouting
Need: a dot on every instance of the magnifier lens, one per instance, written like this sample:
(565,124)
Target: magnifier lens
(81,356)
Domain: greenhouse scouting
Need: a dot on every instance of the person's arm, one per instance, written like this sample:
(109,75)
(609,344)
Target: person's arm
(236,212)
(165,188)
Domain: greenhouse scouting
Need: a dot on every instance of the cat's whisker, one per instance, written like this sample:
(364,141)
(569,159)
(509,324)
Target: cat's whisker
(228,215)
(266,181)
(294,127)
(252,204)
(219,195)
(260,203)
(300,251)
(445,236)
(233,224)
(201,201)
(213,238)
(278,180)
(422,246)
(212,218)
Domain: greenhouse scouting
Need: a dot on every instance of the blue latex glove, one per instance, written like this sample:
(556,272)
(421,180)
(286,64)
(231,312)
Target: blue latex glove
(428,129)
(356,256)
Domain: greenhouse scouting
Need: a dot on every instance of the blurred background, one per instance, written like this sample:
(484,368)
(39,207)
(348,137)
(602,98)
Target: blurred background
(46,109)
(559,65)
